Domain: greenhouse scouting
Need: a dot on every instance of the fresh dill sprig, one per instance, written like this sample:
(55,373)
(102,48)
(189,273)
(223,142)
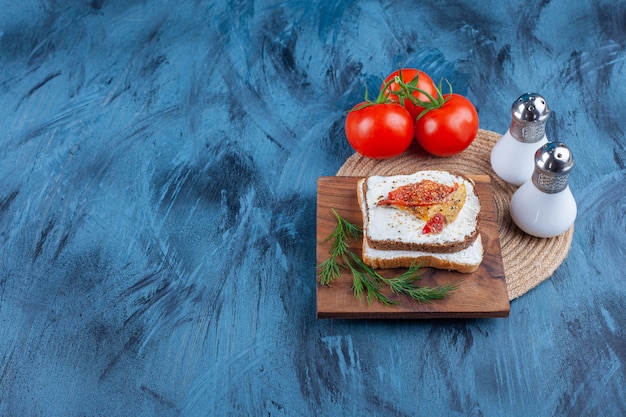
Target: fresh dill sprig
(330,268)
(366,279)
(405,284)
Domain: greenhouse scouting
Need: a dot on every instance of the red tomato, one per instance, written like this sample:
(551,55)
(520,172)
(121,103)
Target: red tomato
(449,129)
(434,225)
(379,130)
(408,76)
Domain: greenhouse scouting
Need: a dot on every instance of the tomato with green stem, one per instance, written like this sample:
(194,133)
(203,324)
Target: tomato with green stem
(379,129)
(411,88)
(448,125)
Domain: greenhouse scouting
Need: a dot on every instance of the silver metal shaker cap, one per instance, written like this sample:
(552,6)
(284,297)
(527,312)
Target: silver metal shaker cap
(529,114)
(553,163)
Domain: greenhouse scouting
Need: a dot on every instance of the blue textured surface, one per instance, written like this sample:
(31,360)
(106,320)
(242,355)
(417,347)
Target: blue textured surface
(158,166)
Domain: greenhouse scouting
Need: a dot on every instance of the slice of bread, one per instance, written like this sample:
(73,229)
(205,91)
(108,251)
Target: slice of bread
(466,261)
(390,228)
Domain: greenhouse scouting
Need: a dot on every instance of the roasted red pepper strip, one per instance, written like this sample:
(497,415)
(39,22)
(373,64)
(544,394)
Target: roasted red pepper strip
(423,193)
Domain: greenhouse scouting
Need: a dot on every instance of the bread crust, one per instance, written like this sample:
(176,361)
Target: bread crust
(447,247)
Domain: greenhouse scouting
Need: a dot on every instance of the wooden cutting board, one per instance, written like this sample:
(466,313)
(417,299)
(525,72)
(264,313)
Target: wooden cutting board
(481,294)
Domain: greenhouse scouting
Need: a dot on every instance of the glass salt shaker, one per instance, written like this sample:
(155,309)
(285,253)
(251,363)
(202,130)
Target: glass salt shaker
(544,206)
(512,155)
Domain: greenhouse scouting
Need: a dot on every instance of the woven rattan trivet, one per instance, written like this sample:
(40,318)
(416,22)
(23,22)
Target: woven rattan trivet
(528,261)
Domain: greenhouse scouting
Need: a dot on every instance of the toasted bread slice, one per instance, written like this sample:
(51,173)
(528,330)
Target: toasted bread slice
(389,228)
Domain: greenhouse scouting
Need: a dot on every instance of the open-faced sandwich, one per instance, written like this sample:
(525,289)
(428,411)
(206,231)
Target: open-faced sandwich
(429,217)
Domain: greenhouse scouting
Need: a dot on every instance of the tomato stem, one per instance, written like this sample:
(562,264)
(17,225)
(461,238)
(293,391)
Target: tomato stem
(407,90)
(383,97)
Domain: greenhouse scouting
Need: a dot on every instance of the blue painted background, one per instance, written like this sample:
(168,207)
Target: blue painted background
(158,166)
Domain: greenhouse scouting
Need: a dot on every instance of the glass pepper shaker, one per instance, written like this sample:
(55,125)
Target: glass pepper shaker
(512,155)
(544,206)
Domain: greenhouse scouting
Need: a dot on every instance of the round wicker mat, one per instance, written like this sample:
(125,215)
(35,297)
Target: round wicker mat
(527,260)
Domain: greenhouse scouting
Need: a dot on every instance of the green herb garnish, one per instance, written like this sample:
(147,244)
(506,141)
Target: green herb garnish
(368,281)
